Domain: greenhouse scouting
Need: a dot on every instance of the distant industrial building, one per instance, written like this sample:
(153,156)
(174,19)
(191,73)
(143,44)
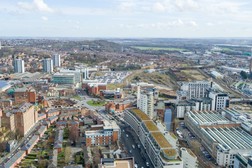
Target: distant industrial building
(56,60)
(161,153)
(222,138)
(19,66)
(48,65)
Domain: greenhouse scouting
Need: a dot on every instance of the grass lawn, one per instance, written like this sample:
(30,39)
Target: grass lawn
(96,103)
(77,97)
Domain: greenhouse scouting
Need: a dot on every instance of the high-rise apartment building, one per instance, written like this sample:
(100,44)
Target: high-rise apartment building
(146,103)
(56,60)
(19,66)
(48,65)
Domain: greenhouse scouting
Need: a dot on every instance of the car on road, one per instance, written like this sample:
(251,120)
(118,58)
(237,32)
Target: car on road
(127,135)
(139,146)
(130,151)
(133,146)
(147,164)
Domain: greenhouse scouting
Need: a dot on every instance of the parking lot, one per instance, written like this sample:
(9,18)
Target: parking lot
(191,141)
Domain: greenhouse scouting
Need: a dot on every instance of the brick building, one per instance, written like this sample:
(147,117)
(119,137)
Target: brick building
(95,88)
(117,106)
(106,135)
(20,119)
(22,95)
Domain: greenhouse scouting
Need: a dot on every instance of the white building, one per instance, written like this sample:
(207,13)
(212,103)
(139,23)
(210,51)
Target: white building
(196,89)
(219,100)
(161,153)
(222,138)
(48,65)
(145,102)
(190,160)
(200,104)
(243,160)
(56,60)
(19,66)
(216,75)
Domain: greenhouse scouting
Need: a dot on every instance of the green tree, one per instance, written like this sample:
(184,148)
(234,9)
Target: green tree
(244,75)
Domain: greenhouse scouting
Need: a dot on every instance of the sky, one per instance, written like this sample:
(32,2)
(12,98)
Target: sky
(126,18)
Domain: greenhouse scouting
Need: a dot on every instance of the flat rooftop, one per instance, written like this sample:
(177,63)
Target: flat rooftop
(151,126)
(120,163)
(208,118)
(140,114)
(160,139)
(170,152)
(230,138)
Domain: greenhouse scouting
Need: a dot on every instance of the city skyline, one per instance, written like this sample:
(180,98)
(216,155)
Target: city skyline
(126,18)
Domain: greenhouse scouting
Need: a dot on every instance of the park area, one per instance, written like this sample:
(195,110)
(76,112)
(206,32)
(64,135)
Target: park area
(96,103)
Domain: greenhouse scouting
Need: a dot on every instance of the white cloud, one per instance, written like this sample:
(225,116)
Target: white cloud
(44,18)
(38,5)
(159,7)
(127,6)
(162,25)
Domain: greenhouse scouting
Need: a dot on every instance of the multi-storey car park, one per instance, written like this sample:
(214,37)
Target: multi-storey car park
(221,137)
(160,151)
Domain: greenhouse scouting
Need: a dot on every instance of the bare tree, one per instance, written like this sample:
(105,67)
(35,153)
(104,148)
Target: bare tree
(74,133)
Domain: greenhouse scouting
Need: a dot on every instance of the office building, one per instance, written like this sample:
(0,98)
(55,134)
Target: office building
(161,153)
(168,119)
(63,78)
(219,100)
(222,138)
(77,74)
(196,89)
(190,160)
(102,135)
(48,65)
(56,60)
(19,66)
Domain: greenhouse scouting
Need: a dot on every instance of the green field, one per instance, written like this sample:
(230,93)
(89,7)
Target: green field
(96,103)
(158,48)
